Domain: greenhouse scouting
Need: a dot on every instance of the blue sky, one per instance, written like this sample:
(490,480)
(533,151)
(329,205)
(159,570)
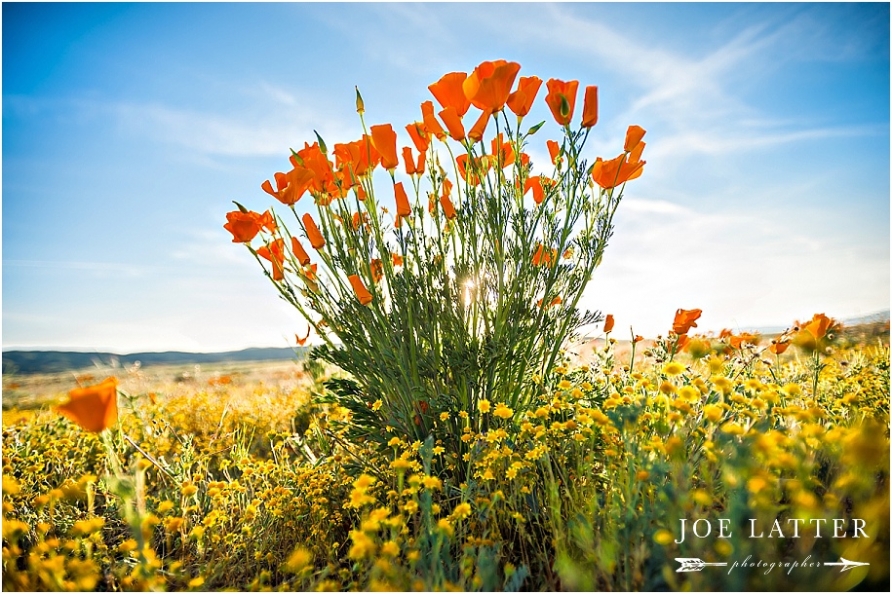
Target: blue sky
(129,129)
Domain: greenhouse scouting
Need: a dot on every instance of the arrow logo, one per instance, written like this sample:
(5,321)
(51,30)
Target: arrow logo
(695,564)
(846,564)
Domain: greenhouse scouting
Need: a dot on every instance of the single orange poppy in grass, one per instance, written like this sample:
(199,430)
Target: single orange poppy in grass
(608,323)
(396,259)
(685,319)
(554,150)
(303,341)
(384,141)
(313,233)
(521,100)
(633,136)
(402,200)
(448,92)
(590,107)
(94,408)
(819,325)
(616,172)
(244,226)
(489,85)
(419,135)
(431,124)
(299,252)
(561,99)
(778,347)
(476,133)
(453,123)
(359,289)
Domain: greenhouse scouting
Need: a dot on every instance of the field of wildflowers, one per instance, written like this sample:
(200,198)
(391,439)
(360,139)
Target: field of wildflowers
(444,435)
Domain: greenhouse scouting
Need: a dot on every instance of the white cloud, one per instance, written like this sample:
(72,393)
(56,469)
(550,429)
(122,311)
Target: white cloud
(741,269)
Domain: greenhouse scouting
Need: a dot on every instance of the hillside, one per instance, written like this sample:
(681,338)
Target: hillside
(28,362)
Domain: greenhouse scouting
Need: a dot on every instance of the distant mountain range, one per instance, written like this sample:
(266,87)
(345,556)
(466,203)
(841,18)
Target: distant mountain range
(26,362)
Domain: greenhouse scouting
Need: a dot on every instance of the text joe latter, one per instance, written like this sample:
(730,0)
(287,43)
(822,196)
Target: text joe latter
(791,528)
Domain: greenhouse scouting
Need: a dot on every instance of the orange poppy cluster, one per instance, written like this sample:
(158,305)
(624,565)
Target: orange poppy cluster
(805,335)
(490,87)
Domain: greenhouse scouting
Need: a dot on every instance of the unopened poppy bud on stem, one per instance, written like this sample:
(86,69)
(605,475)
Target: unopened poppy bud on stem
(360,105)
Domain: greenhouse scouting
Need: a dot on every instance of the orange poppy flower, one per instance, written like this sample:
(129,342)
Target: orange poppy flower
(312,159)
(681,342)
(556,301)
(554,149)
(359,219)
(476,133)
(409,161)
(778,347)
(590,107)
(745,338)
(419,164)
(299,252)
(609,174)
(430,121)
(402,200)
(275,253)
(521,100)
(503,151)
(638,338)
(358,157)
(94,408)
(468,173)
(448,207)
(489,86)
(633,136)
(313,233)
(377,269)
(302,341)
(685,319)
(608,323)
(818,326)
(449,92)
(453,123)
(419,135)
(561,99)
(396,259)
(536,183)
(359,289)
(268,222)
(244,226)
(543,256)
(384,141)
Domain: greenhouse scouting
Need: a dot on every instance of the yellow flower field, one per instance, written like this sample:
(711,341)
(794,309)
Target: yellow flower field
(238,482)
